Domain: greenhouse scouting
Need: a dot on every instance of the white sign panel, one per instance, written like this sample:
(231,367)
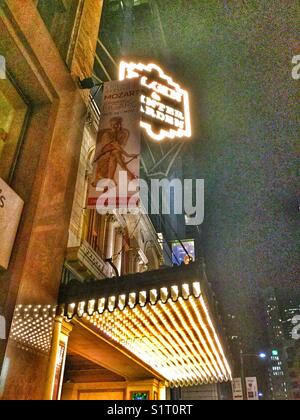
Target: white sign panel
(237,389)
(252,389)
(11,206)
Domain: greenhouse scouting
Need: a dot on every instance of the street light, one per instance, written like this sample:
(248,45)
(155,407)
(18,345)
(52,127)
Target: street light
(242,355)
(262,355)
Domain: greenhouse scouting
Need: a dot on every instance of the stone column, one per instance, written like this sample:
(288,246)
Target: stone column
(110,239)
(56,367)
(162,392)
(137,263)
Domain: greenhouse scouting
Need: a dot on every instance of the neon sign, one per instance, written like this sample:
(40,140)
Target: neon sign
(164,104)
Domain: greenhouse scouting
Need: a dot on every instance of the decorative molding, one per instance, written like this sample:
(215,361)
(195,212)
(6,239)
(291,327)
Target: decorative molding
(142,256)
(120,219)
(92,261)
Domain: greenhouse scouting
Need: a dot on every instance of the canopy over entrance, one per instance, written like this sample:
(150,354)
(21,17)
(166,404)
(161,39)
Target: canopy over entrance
(166,318)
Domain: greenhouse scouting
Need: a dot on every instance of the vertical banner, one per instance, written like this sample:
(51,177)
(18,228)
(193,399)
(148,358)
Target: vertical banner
(237,389)
(11,206)
(117,155)
(252,389)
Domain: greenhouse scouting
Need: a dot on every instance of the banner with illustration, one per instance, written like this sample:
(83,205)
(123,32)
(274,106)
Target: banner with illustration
(116,164)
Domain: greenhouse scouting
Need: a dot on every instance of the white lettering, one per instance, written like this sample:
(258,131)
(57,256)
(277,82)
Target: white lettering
(2,328)
(161,89)
(296,69)
(166,186)
(124,411)
(178,123)
(2,67)
(169,119)
(151,111)
(296,329)
(196,214)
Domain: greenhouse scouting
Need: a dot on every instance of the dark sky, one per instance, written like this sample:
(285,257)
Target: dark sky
(235,57)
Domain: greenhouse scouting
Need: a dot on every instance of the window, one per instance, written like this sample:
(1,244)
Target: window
(13,115)
(135,396)
(94,232)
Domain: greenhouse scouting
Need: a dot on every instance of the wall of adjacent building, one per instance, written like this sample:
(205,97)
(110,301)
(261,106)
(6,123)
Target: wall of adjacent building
(83,58)
(45,173)
(202,392)
(79,203)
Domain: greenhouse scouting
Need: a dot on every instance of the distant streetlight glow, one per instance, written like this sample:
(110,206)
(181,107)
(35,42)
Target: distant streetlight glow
(262,355)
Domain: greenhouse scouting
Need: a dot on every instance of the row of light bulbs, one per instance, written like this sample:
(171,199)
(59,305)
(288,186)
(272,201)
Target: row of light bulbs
(178,339)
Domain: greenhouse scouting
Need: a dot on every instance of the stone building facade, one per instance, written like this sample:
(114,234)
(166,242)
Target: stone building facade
(41,79)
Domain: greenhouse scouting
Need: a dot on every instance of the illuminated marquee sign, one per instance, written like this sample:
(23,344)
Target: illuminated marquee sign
(164,104)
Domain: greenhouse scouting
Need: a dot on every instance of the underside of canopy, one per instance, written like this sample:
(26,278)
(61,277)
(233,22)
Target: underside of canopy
(165,318)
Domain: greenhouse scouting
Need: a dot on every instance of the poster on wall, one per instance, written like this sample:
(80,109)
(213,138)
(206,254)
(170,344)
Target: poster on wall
(116,164)
(11,206)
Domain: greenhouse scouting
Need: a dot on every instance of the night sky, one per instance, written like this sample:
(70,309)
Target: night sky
(235,57)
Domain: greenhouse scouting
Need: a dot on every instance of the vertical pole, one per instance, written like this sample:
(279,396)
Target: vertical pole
(118,250)
(60,337)
(243,375)
(110,241)
(48,394)
(110,238)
